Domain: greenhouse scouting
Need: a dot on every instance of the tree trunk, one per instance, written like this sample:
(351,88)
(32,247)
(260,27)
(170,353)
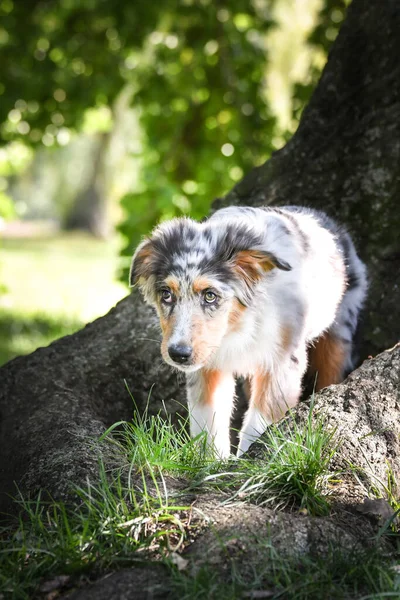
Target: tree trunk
(89,210)
(344,159)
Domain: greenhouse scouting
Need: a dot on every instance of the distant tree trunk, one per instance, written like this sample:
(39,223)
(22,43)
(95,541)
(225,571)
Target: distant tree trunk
(344,158)
(89,209)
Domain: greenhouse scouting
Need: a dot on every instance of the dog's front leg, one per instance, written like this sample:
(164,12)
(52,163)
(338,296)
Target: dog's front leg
(272,394)
(210,401)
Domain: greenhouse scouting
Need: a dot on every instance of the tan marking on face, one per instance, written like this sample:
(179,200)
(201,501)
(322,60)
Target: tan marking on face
(211,380)
(235,315)
(200,284)
(173,284)
(327,358)
(167,327)
(165,324)
(207,335)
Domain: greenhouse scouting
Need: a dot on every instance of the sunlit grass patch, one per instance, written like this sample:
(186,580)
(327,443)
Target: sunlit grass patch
(131,513)
(153,444)
(111,526)
(22,333)
(70,275)
(51,287)
(292,468)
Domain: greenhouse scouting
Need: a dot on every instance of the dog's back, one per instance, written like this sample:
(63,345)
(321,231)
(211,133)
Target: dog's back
(326,286)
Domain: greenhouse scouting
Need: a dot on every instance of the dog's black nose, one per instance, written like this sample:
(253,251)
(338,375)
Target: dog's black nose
(180,353)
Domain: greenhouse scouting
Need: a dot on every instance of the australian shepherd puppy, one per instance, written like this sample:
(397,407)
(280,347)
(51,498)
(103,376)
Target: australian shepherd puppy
(257,292)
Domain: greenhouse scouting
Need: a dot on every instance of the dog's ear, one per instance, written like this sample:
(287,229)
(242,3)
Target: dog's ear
(252,264)
(141,271)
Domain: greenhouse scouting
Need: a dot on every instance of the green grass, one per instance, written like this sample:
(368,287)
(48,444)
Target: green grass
(361,575)
(291,469)
(152,444)
(134,512)
(53,286)
(111,526)
(22,334)
(294,467)
(126,515)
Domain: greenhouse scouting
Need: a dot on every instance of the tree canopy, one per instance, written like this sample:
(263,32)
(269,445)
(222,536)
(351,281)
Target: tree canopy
(196,74)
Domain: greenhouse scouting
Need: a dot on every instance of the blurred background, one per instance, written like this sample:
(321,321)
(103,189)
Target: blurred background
(116,115)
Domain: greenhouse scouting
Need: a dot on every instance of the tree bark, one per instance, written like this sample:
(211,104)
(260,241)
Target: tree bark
(344,159)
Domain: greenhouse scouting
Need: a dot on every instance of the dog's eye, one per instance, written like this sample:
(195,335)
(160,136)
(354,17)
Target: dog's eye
(166,296)
(210,297)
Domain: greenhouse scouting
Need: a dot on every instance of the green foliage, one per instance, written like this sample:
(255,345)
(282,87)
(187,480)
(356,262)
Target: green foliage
(72,55)
(330,19)
(202,111)
(197,75)
(62,57)
(7,210)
